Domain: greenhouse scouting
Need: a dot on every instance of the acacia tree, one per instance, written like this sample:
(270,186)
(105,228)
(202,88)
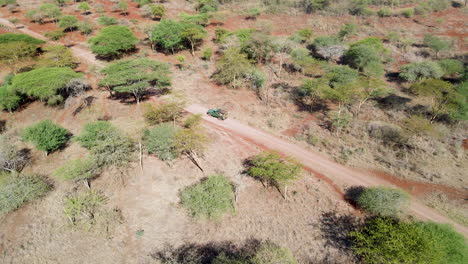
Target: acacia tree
(272,169)
(190,142)
(112,41)
(232,68)
(46,136)
(137,76)
(194,34)
(14,53)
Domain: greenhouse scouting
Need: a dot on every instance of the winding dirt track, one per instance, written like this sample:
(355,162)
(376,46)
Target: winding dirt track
(331,172)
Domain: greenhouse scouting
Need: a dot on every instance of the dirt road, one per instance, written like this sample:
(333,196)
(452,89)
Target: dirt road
(333,173)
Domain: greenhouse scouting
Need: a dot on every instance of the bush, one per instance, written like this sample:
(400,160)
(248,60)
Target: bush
(270,253)
(349,29)
(390,135)
(57,56)
(84,7)
(136,77)
(160,140)
(420,70)
(168,112)
(341,75)
(271,168)
(78,169)
(95,132)
(211,198)
(54,34)
(232,68)
(107,21)
(171,36)
(9,98)
(85,27)
(11,37)
(385,12)
(207,53)
(12,158)
(383,201)
(436,44)
(112,41)
(68,22)
(328,47)
(366,56)
(451,67)
(46,136)
(85,209)
(408,13)
(385,240)
(315,5)
(438,5)
(153,11)
(15,191)
(44,83)
(259,47)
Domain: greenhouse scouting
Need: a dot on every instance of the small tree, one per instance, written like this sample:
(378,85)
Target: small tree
(153,11)
(112,41)
(46,136)
(436,44)
(95,132)
(167,35)
(15,53)
(211,198)
(21,189)
(84,7)
(107,20)
(44,83)
(78,169)
(271,168)
(190,142)
(232,68)
(136,76)
(194,35)
(68,23)
(160,140)
(168,112)
(386,240)
(206,54)
(50,11)
(259,47)
(57,56)
(417,71)
(270,253)
(9,98)
(451,67)
(123,6)
(348,30)
(383,201)
(85,27)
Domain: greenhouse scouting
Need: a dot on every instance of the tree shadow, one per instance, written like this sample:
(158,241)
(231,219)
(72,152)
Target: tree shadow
(2,126)
(393,102)
(352,194)
(87,102)
(206,253)
(336,229)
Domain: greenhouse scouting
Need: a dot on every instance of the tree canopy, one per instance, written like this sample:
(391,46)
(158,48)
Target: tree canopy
(112,41)
(46,136)
(136,76)
(171,36)
(12,37)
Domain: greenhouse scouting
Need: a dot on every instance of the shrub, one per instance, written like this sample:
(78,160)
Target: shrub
(9,98)
(420,70)
(315,5)
(54,34)
(12,158)
(271,168)
(160,140)
(112,41)
(153,11)
(221,34)
(95,132)
(85,27)
(438,5)
(436,44)
(201,19)
(390,135)
(18,190)
(78,169)
(46,136)
(232,68)
(44,83)
(168,112)
(14,53)
(83,209)
(68,22)
(366,55)
(328,48)
(408,13)
(171,36)
(386,240)
(341,75)
(384,12)
(259,47)
(107,21)
(57,56)
(383,201)
(211,198)
(84,7)
(11,37)
(207,53)
(50,11)
(451,67)
(136,77)
(349,29)
(270,253)
(190,142)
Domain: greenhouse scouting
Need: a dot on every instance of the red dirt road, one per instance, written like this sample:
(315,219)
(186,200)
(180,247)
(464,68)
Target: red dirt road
(331,172)
(336,174)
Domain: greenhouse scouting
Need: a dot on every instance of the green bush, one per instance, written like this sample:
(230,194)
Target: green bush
(341,75)
(349,29)
(259,47)
(408,13)
(383,201)
(386,240)
(366,56)
(210,198)
(15,191)
(46,136)
(421,70)
(107,21)
(112,41)
(57,56)
(168,112)
(136,77)
(85,27)
(451,67)
(9,98)
(270,253)
(271,168)
(436,44)
(44,83)
(160,140)
(95,132)
(11,37)
(207,53)
(54,34)
(315,5)
(82,208)
(232,68)
(385,12)
(172,36)
(153,11)
(68,22)
(78,169)
(84,7)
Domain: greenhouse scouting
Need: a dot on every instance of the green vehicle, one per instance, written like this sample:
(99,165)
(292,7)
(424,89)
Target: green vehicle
(218,113)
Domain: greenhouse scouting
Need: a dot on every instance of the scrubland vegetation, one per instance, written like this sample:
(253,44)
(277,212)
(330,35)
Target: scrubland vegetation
(99,116)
